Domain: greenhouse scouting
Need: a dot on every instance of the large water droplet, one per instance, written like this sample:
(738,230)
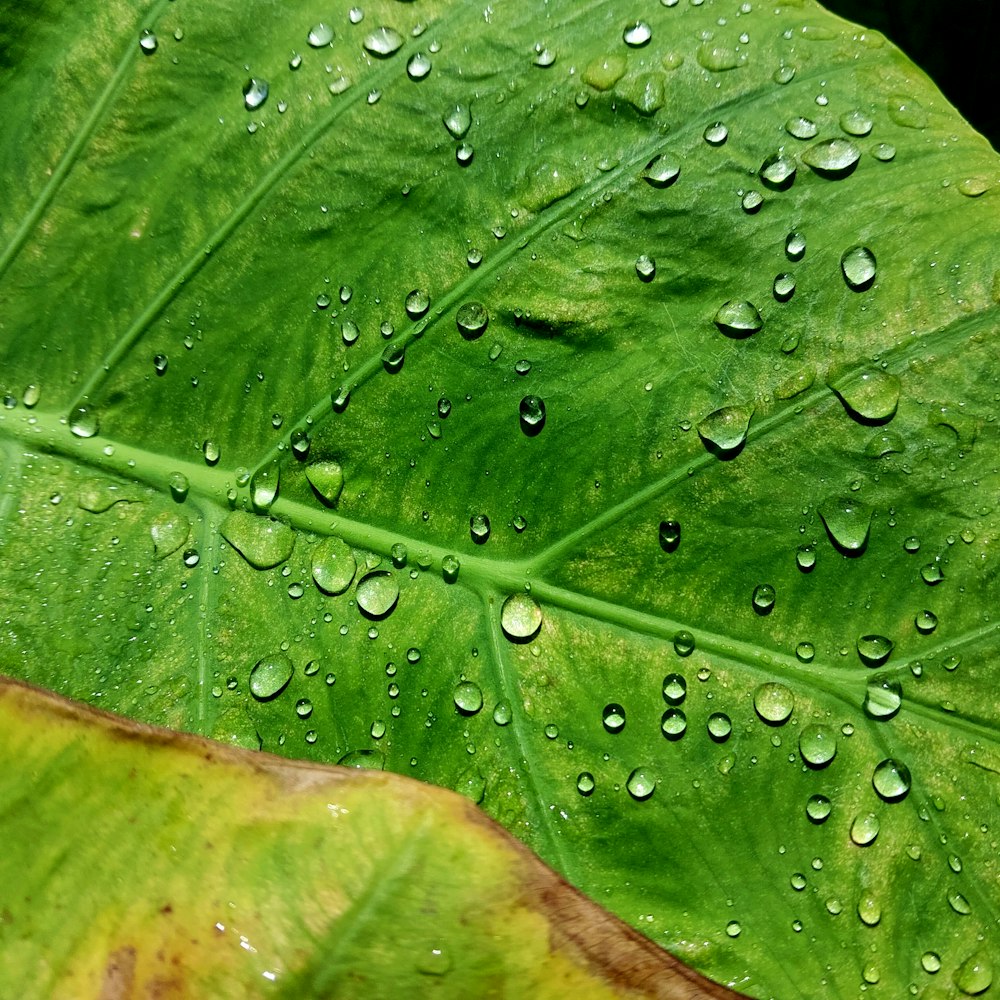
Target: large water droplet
(762,599)
(472,320)
(778,172)
(674,689)
(783,289)
(716,134)
(641,783)
(818,808)
(170,532)
(870,397)
(319,35)
(891,780)
(377,594)
(531,414)
(468,697)
(661,171)
(393,357)
(847,522)
(818,745)
(585,783)
(738,318)
(264,485)
(270,676)
(719,58)
(856,123)
(858,266)
(874,650)
(418,66)
(383,42)
(833,158)
(255,93)
(520,618)
(458,120)
(417,303)
(869,909)
(801,128)
(327,479)
(683,643)
(83,422)
(637,34)
(613,717)
(724,431)
(673,724)
(774,703)
(147,41)
(906,111)
(369,760)
(333,565)
(975,974)
(719,726)
(864,829)
(670,535)
(479,528)
(263,543)
(883,698)
(603,73)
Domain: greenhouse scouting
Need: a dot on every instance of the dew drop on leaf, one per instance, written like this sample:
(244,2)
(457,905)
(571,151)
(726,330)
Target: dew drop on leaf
(670,535)
(805,652)
(817,745)
(777,172)
(783,289)
(733,928)
(637,34)
(170,531)
(925,622)
(833,159)
(674,689)
(468,697)
(847,522)
(870,396)
(818,808)
(855,123)
(683,643)
(418,66)
(661,171)
(874,649)
(472,320)
(147,41)
(502,713)
(891,780)
(959,904)
(270,676)
(751,202)
(83,422)
(585,783)
(858,266)
(383,42)
(458,120)
(450,568)
(719,727)
(417,303)
(479,528)
(333,566)
(724,431)
(327,479)
(641,784)
(613,717)
(531,413)
(907,111)
(255,92)
(931,574)
(645,267)
(883,698)
(801,128)
(975,974)
(371,760)
(673,724)
(377,593)
(520,617)
(264,485)
(773,702)
(263,543)
(884,152)
(795,245)
(738,318)
(716,134)
(930,962)
(320,35)
(393,357)
(864,829)
(762,599)
(604,72)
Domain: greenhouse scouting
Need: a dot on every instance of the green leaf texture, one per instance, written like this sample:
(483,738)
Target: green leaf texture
(504,362)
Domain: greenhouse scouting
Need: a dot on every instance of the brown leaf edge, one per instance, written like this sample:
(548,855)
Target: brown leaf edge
(629,964)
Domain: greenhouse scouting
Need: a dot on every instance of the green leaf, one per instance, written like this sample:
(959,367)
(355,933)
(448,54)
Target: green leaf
(433,420)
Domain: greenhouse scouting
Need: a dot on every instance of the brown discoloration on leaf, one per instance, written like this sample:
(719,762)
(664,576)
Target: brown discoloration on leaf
(119,976)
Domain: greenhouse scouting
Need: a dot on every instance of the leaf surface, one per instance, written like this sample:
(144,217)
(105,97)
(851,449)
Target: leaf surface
(207,321)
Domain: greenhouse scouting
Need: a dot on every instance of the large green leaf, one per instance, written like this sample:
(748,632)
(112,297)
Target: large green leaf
(174,309)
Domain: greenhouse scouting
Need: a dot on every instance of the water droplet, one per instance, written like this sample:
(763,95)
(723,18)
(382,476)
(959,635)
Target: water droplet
(907,112)
(333,566)
(264,485)
(458,120)
(752,201)
(673,724)
(738,318)
(531,413)
(637,34)
(763,599)
(641,784)
(801,128)
(502,713)
(959,904)
(544,57)
(383,42)
(613,717)
(733,928)
(884,443)
(847,522)
(783,290)
(371,760)
(179,486)
(818,808)
(716,134)
(147,41)
(645,267)
(795,246)
(891,780)
(661,171)
(926,622)
(975,974)
(319,35)
(805,652)
(255,93)
(417,303)
(683,643)
(670,535)
(856,123)
(719,726)
(472,320)
(818,745)
(393,357)
(674,689)
(870,397)
(778,172)
(719,58)
(170,531)
(468,697)
(377,594)
(263,543)
(83,422)
(783,74)
(805,558)
(520,618)
(418,66)
(603,73)
(864,829)
(479,528)
(450,568)
(585,783)
(931,574)
(883,698)
(832,158)
(327,479)
(724,431)
(858,266)
(884,151)
(774,703)
(874,650)
(930,962)
(270,676)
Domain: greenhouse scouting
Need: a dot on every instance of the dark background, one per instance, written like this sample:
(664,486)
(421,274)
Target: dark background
(956,42)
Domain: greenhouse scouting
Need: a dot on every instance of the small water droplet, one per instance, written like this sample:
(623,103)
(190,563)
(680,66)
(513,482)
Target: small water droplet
(83,422)
(263,543)
(147,41)
(531,413)
(270,676)
(472,320)
(931,574)
(645,267)
(320,35)
(833,159)
(774,703)
(925,622)
(417,303)
(724,431)
(778,172)
(847,522)
(864,829)
(805,558)
(520,617)
(752,201)
(458,120)
(479,528)
(883,698)
(641,784)
(673,724)
(169,532)
(661,171)
(468,697)
(327,479)
(795,246)
(670,535)
(450,568)
(858,266)
(585,783)
(544,57)
(613,717)
(637,34)
(856,123)
(674,689)
(817,745)
(179,486)
(716,134)
(377,593)
(874,649)
(383,42)
(733,928)
(502,713)
(805,652)
(719,726)
(906,111)
(891,780)
(738,318)
(464,154)
(783,74)
(762,599)
(959,904)
(801,128)
(818,808)
(930,962)
(393,357)
(255,93)
(333,566)
(683,643)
